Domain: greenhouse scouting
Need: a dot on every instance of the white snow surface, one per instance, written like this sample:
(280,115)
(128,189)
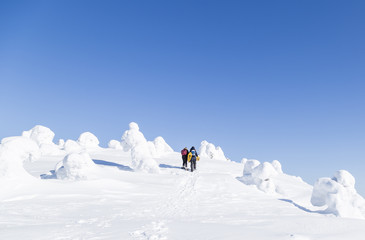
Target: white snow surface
(103,194)
(209,150)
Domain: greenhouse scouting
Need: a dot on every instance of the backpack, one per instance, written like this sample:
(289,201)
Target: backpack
(192,152)
(184,152)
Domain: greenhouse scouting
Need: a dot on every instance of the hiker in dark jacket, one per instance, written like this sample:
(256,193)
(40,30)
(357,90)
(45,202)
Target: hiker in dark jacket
(184,155)
(193,156)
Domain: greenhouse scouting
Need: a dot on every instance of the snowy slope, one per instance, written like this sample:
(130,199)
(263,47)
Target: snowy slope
(119,203)
(136,190)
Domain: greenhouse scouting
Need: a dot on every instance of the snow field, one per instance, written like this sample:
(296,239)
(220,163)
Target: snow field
(135,189)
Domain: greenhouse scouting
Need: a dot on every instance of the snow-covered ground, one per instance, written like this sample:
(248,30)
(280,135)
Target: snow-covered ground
(103,193)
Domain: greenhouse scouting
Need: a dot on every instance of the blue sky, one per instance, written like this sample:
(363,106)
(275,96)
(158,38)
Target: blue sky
(263,79)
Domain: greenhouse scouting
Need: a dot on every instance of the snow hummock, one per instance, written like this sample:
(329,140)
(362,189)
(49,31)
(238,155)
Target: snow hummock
(40,134)
(277,165)
(43,136)
(13,152)
(76,166)
(260,174)
(72,146)
(161,147)
(210,151)
(142,159)
(87,140)
(340,195)
(115,144)
(61,143)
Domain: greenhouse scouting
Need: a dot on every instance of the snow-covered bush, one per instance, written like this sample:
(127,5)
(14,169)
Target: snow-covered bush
(72,146)
(161,146)
(87,140)
(208,150)
(40,134)
(43,136)
(76,166)
(260,174)
(114,144)
(339,194)
(61,143)
(135,141)
(277,165)
(13,152)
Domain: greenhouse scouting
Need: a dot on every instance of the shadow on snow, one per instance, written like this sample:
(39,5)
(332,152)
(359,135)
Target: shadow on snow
(301,207)
(113,164)
(168,166)
(52,174)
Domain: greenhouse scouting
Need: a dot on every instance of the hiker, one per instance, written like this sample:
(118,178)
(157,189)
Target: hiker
(184,155)
(192,157)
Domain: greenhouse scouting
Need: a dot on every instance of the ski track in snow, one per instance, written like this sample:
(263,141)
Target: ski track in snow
(179,203)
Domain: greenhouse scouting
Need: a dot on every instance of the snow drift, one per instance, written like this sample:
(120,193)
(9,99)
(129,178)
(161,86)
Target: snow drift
(142,159)
(340,195)
(208,150)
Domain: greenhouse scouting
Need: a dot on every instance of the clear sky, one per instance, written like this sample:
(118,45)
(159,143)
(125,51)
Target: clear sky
(268,80)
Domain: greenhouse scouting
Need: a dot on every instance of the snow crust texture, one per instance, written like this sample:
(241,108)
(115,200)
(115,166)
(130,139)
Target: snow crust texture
(339,195)
(208,150)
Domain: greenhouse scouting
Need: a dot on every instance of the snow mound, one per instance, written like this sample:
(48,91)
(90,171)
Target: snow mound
(135,141)
(43,136)
(340,196)
(13,152)
(61,143)
(210,151)
(40,134)
(76,166)
(344,178)
(72,146)
(261,174)
(115,144)
(161,147)
(88,140)
(277,165)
